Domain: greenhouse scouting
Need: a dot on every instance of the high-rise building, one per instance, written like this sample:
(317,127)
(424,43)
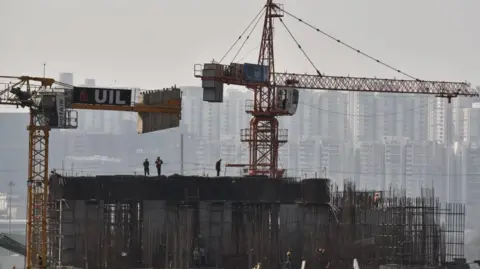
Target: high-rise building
(394,162)
(438,171)
(232,114)
(417,160)
(302,123)
(362,112)
(66,78)
(193,109)
(470,172)
(458,115)
(331,118)
(233,118)
(336,160)
(369,164)
(306,157)
(90,82)
(438,119)
(416,118)
(470,126)
(387,116)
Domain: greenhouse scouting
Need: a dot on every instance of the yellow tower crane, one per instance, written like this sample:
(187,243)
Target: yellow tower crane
(51,105)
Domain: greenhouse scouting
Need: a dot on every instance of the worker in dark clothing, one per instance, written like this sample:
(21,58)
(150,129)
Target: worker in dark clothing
(322,257)
(288,263)
(217,167)
(158,164)
(40,261)
(289,257)
(146,167)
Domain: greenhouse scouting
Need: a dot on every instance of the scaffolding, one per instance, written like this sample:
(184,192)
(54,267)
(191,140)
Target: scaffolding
(375,228)
(380,228)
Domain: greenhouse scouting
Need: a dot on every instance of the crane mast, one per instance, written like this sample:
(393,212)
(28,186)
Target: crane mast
(37,182)
(263,134)
(37,192)
(276,94)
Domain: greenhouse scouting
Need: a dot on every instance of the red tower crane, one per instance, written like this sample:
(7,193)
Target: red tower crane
(276,94)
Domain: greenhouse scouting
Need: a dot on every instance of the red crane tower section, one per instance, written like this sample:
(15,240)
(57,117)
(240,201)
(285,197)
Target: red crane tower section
(276,94)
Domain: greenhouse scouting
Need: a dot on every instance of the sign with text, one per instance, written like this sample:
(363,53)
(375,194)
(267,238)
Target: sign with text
(101,96)
(61,110)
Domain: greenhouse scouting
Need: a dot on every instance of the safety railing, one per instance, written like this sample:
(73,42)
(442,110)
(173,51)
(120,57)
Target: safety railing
(246,135)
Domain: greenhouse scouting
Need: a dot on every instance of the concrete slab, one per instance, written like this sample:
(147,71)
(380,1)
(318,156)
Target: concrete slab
(182,188)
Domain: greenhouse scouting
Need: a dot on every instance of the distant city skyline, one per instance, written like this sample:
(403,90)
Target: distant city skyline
(377,140)
(429,39)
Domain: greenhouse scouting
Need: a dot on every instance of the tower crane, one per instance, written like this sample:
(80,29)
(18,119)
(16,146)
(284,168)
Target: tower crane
(276,93)
(51,105)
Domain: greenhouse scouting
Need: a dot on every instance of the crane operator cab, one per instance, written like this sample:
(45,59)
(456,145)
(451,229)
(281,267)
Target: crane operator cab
(287,99)
(55,109)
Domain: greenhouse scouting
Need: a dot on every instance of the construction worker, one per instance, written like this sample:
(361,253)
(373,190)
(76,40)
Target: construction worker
(158,164)
(196,257)
(40,261)
(289,256)
(376,199)
(288,263)
(217,167)
(323,258)
(146,167)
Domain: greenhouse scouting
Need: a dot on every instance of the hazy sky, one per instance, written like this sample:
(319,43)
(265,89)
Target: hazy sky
(154,44)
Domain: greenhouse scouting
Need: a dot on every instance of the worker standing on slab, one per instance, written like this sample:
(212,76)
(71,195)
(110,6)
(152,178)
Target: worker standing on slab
(158,164)
(146,167)
(217,167)
(196,257)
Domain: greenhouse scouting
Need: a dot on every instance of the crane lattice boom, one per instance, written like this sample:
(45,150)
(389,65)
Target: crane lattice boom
(380,85)
(338,83)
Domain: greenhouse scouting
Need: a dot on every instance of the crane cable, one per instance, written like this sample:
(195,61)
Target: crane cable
(300,47)
(248,36)
(241,35)
(348,46)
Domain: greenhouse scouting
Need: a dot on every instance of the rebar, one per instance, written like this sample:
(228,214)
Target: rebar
(375,227)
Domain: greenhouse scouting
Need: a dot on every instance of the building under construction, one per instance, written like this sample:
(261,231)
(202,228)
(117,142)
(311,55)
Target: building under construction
(235,223)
